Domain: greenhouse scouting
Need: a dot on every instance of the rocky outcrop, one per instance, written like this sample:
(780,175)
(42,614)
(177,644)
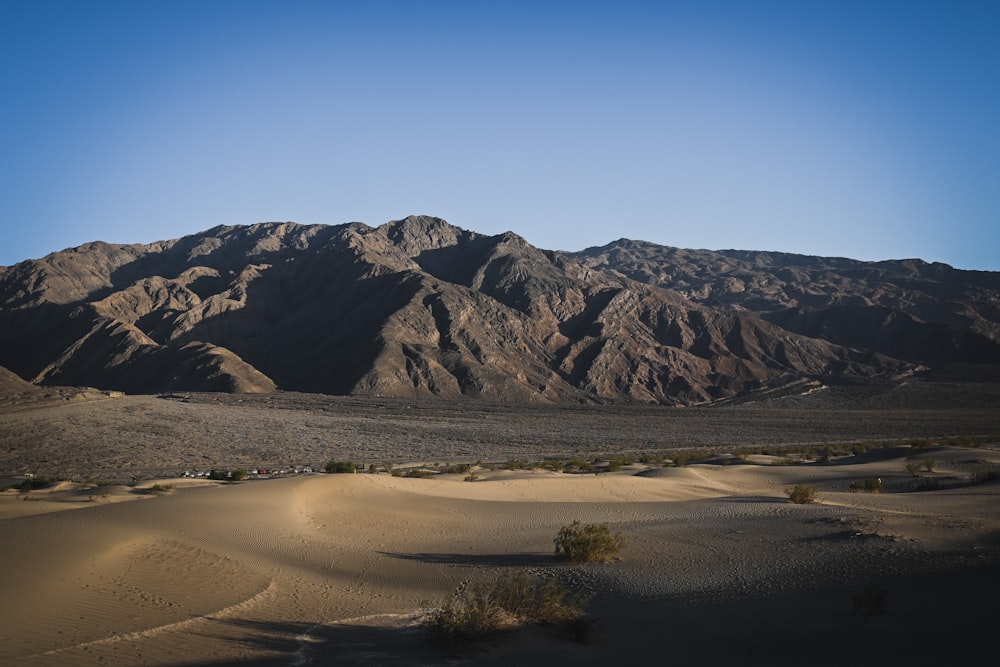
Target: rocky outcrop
(419,307)
(925,313)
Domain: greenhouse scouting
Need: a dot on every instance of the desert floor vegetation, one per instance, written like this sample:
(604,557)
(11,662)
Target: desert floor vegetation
(345,568)
(588,543)
(801,494)
(340,467)
(479,611)
(869,485)
(146,437)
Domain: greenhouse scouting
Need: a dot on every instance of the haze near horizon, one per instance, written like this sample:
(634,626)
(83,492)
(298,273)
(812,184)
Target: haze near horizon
(861,129)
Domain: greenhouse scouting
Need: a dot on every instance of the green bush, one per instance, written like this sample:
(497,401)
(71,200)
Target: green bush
(589,543)
(420,473)
(801,494)
(870,485)
(477,612)
(337,467)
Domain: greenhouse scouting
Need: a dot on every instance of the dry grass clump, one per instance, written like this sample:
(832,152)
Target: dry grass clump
(802,494)
(483,610)
(589,543)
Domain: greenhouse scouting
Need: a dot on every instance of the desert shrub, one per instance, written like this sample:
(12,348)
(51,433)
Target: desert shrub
(420,473)
(871,600)
(928,465)
(472,477)
(552,464)
(913,467)
(160,488)
(457,469)
(588,543)
(484,609)
(683,458)
(870,485)
(801,494)
(680,458)
(339,467)
(32,483)
(516,464)
(238,475)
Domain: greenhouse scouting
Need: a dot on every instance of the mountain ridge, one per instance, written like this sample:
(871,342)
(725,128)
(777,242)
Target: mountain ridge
(420,307)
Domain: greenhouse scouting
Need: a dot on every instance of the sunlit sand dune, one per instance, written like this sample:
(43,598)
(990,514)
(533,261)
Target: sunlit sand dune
(339,569)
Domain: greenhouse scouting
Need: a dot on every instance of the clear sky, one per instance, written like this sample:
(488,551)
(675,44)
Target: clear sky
(867,129)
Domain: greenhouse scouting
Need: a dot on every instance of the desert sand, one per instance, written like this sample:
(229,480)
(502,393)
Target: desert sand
(719,567)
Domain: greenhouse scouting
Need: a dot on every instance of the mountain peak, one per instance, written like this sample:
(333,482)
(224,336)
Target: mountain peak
(420,307)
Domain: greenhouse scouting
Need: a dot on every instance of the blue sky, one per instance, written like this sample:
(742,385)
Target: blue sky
(858,129)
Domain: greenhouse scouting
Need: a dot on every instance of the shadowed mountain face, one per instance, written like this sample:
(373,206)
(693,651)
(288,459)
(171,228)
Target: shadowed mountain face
(419,307)
(925,313)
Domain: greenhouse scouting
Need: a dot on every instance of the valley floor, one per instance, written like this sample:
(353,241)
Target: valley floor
(719,566)
(126,564)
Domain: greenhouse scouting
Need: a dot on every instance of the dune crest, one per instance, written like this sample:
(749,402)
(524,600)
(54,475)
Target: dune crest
(295,569)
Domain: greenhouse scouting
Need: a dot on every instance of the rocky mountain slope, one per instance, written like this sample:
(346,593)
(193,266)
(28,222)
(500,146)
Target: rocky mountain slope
(419,307)
(908,309)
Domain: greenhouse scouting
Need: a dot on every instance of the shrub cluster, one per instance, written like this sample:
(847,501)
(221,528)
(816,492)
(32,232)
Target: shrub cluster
(32,483)
(335,466)
(801,494)
(870,485)
(915,467)
(229,475)
(477,612)
(419,473)
(589,543)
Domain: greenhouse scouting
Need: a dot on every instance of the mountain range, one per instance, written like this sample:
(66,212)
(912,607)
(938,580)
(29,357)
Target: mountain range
(419,307)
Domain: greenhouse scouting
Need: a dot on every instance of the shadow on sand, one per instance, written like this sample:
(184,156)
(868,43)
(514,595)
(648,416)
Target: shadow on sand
(387,639)
(479,560)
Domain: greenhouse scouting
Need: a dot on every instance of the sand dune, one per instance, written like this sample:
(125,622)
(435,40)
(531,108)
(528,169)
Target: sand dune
(338,569)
